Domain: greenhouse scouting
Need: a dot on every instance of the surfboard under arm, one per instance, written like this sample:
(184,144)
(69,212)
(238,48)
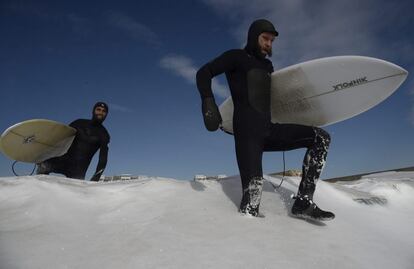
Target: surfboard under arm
(37,140)
(327,90)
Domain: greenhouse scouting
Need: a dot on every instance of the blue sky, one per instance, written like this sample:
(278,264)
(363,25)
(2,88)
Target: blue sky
(58,58)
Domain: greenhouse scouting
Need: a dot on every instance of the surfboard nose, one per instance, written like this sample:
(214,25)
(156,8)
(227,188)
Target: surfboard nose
(401,70)
(404,71)
(404,75)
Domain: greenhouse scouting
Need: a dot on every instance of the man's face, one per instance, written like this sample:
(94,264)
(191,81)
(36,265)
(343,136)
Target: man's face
(100,113)
(265,43)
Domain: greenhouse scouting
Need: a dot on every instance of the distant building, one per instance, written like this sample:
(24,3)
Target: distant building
(132,177)
(200,177)
(204,177)
(120,177)
(289,173)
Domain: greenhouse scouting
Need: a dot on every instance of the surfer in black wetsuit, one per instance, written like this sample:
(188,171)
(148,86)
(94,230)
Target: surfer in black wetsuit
(248,74)
(91,135)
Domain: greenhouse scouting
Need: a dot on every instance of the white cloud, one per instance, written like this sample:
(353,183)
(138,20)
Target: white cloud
(32,9)
(184,67)
(133,28)
(313,29)
(80,25)
(119,108)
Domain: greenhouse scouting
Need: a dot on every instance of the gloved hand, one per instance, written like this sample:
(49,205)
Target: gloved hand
(211,114)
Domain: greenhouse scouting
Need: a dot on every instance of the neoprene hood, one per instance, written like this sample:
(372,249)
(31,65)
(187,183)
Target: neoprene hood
(100,104)
(255,29)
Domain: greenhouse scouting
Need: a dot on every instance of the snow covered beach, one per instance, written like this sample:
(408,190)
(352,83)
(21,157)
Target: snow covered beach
(54,222)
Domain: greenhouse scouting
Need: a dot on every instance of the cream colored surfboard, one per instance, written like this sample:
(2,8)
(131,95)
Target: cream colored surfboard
(327,90)
(34,141)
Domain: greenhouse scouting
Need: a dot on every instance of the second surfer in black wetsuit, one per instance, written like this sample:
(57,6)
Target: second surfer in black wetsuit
(90,137)
(248,74)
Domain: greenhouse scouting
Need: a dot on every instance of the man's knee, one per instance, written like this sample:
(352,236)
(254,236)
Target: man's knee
(322,137)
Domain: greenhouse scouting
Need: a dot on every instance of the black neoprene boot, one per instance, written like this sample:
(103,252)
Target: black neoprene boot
(305,208)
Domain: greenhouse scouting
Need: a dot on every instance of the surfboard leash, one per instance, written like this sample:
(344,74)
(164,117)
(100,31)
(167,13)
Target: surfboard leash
(284,171)
(14,171)
(283,176)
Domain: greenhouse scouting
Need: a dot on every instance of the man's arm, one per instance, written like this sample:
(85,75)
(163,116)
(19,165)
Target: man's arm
(224,63)
(103,159)
(75,124)
(79,125)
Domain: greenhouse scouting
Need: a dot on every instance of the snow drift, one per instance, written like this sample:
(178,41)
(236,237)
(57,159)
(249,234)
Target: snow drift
(53,222)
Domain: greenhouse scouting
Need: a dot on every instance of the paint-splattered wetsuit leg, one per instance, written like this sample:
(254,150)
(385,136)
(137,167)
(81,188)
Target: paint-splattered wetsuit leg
(316,140)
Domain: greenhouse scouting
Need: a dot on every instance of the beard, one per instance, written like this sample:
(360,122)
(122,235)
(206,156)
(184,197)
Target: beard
(264,52)
(269,52)
(98,119)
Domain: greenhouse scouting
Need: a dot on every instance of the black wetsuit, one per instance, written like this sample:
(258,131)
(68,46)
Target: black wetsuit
(248,75)
(91,135)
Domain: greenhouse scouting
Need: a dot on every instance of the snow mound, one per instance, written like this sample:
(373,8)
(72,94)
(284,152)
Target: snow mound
(396,188)
(53,222)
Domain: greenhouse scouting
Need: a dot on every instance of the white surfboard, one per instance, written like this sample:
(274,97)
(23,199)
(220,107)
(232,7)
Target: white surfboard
(34,141)
(327,90)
